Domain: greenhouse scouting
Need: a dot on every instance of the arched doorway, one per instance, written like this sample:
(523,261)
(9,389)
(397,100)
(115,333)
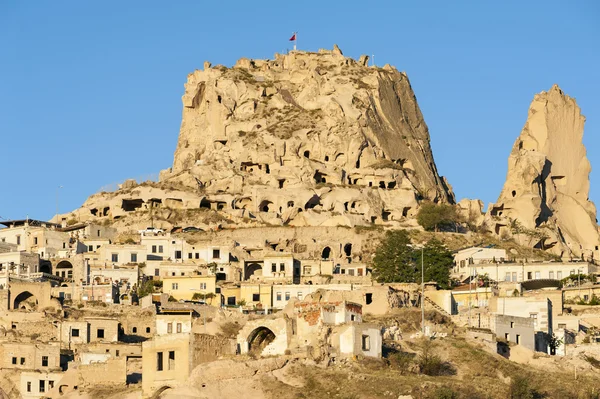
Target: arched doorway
(25,301)
(259,338)
(326,254)
(253,269)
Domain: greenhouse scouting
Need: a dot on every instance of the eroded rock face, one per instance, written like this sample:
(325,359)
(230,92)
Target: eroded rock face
(547,183)
(306,139)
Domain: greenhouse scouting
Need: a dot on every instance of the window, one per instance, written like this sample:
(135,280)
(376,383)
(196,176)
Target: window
(518,339)
(156,272)
(562,326)
(98,233)
(147,330)
(75,332)
(299,296)
(64,245)
(160,249)
(178,327)
(273,267)
(190,255)
(169,328)
(366,343)
(216,253)
(44,361)
(507,277)
(18,240)
(534,316)
(134,258)
(114,257)
(514,277)
(507,337)
(368,298)
(282,267)
(287,296)
(28,386)
(34,240)
(171,360)
(202,286)
(154,249)
(255,297)
(42,386)
(14,360)
(512,324)
(559,275)
(538,275)
(100,333)
(551,275)
(159,361)
(528,275)
(90,248)
(22,361)
(197,255)
(134,330)
(307,270)
(279,296)
(177,254)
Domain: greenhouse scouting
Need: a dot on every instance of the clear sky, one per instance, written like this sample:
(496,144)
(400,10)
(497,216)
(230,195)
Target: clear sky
(90,91)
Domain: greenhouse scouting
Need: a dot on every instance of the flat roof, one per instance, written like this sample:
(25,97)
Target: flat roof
(31,222)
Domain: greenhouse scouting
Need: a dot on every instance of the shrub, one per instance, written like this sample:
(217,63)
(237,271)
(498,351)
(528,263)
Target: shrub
(433,216)
(401,361)
(444,393)
(520,389)
(230,329)
(430,363)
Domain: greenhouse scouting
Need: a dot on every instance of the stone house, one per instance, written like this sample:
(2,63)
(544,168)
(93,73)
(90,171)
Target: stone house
(166,362)
(174,322)
(37,384)
(184,287)
(113,254)
(30,356)
(518,330)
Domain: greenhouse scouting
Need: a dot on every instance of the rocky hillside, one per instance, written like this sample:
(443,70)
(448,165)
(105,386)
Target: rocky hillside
(306,139)
(545,197)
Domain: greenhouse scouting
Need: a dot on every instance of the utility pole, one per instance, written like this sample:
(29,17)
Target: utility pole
(57,188)
(422,293)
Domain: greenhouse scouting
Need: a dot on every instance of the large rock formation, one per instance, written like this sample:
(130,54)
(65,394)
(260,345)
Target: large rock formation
(306,139)
(545,198)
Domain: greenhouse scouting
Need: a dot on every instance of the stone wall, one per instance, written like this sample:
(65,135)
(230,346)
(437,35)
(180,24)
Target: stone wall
(112,372)
(207,348)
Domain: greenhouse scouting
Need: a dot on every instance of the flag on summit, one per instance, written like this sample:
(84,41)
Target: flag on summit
(293,38)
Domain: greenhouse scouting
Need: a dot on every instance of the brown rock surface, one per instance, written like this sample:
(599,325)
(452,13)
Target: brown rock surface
(307,131)
(547,184)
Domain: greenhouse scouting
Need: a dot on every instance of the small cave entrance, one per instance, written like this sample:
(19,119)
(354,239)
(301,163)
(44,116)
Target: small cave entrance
(312,202)
(320,177)
(326,253)
(265,206)
(381,184)
(326,158)
(391,185)
(348,249)
(385,215)
(205,203)
(306,154)
(514,193)
(130,205)
(405,211)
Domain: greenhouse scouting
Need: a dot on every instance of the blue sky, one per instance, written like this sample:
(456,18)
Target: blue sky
(90,92)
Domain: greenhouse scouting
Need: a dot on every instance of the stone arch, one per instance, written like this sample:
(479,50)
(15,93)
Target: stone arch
(46,268)
(205,203)
(64,269)
(242,203)
(160,391)
(326,253)
(259,339)
(253,269)
(25,300)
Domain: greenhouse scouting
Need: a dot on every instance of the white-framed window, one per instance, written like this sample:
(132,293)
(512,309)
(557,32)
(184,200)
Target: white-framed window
(279,296)
(174,286)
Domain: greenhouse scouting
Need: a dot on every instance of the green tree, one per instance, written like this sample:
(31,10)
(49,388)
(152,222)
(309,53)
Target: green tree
(397,261)
(437,260)
(394,260)
(435,216)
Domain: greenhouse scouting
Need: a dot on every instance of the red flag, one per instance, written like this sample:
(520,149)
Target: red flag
(293,37)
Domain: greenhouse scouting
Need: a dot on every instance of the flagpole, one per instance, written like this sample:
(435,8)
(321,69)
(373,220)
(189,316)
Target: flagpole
(295,40)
